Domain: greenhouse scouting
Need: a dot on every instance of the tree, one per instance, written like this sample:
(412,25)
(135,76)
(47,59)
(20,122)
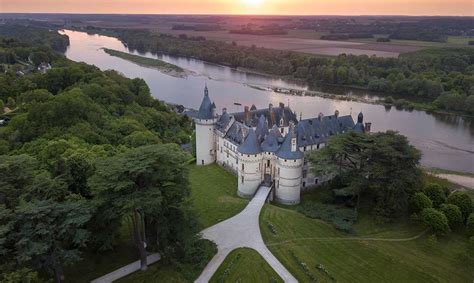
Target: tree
(436,194)
(381,167)
(48,234)
(147,187)
(470,225)
(453,214)
(436,220)
(463,201)
(420,201)
(2,106)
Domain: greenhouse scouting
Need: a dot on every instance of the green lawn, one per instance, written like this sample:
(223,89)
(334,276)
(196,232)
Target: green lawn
(245,265)
(299,242)
(214,194)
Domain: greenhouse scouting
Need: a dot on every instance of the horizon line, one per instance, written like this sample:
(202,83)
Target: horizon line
(238,14)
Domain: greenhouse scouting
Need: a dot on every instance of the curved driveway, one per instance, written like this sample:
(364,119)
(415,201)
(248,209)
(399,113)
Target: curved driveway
(241,231)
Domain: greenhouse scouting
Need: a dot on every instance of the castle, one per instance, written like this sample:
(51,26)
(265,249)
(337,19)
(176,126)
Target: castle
(266,145)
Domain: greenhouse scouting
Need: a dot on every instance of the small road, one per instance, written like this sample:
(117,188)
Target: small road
(241,231)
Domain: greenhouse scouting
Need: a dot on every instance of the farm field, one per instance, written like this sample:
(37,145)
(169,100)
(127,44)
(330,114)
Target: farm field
(245,265)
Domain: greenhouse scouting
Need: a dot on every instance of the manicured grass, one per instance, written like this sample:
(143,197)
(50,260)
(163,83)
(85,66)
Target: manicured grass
(245,265)
(349,259)
(145,61)
(214,194)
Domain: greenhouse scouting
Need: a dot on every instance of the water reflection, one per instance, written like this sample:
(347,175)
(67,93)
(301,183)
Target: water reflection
(445,140)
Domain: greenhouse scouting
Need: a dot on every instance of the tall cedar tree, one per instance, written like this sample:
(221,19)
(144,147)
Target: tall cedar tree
(147,187)
(381,166)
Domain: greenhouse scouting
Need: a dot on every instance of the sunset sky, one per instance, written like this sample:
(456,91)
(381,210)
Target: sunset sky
(287,7)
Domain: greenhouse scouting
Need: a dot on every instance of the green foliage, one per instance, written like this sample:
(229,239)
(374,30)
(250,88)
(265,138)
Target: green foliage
(420,201)
(436,193)
(341,218)
(436,220)
(470,225)
(453,214)
(463,201)
(381,167)
(147,187)
(48,234)
(37,36)
(23,275)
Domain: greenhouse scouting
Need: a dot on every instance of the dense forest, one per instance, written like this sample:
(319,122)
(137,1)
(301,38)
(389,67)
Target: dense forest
(84,155)
(35,35)
(444,77)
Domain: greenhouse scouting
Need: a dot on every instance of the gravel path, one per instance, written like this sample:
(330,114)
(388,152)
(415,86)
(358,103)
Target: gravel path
(465,181)
(241,231)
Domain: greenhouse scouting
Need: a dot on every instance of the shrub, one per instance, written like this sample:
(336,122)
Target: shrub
(341,218)
(436,194)
(463,201)
(436,220)
(470,225)
(420,201)
(453,214)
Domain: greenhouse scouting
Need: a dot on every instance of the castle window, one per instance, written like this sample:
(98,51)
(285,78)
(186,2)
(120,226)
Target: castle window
(304,148)
(304,184)
(316,181)
(242,179)
(305,173)
(278,171)
(317,146)
(243,167)
(268,163)
(282,130)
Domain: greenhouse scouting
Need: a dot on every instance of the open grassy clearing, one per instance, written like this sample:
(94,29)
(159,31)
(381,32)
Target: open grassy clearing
(245,265)
(352,260)
(213,193)
(374,252)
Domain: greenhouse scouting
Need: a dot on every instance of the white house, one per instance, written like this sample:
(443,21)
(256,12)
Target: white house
(266,145)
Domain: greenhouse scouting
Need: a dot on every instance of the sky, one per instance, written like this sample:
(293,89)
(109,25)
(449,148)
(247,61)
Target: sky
(264,7)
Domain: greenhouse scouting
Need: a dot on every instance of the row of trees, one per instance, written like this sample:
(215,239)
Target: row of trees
(85,153)
(442,210)
(426,74)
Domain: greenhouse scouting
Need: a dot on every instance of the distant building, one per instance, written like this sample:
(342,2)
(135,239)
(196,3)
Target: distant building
(266,145)
(44,67)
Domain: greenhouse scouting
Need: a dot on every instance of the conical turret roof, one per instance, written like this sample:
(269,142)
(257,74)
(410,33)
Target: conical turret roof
(250,144)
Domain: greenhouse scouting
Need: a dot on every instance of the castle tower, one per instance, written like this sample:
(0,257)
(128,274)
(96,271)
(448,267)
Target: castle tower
(205,121)
(289,165)
(250,157)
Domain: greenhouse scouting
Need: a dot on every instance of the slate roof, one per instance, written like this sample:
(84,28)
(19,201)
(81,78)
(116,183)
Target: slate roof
(223,121)
(273,116)
(317,130)
(285,151)
(206,108)
(236,133)
(359,127)
(270,143)
(250,145)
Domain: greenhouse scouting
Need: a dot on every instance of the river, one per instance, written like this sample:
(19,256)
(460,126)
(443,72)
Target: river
(446,141)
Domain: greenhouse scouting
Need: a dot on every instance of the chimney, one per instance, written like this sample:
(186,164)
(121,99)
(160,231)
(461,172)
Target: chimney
(282,105)
(224,110)
(336,113)
(368,125)
(320,116)
(270,107)
(246,115)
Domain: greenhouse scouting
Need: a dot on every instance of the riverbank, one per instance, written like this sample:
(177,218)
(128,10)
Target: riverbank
(162,66)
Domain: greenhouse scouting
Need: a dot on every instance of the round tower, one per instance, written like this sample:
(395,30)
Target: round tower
(289,166)
(205,121)
(250,157)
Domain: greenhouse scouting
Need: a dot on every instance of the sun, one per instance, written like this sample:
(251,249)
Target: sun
(253,2)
